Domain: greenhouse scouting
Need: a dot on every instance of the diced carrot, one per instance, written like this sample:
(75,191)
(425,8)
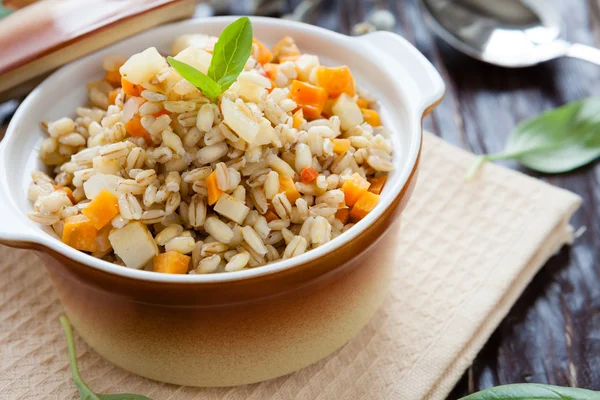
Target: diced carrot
(79,232)
(213,189)
(342,214)
(113,77)
(171,262)
(135,128)
(298,119)
(353,188)
(112,96)
(365,204)
(341,146)
(287,186)
(68,191)
(161,112)
(311,98)
(102,241)
(271,71)
(328,109)
(362,103)
(130,88)
(371,117)
(377,184)
(289,58)
(309,174)
(270,216)
(336,80)
(264,54)
(103,208)
(284,48)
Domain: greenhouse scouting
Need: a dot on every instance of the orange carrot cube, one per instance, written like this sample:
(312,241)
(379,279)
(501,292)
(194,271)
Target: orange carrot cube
(336,80)
(308,174)
(264,54)
(377,184)
(171,262)
(135,128)
(298,119)
(103,208)
(353,188)
(362,103)
(68,191)
(364,205)
(79,232)
(343,214)
(213,189)
(310,98)
(371,117)
(130,88)
(341,146)
(113,77)
(287,186)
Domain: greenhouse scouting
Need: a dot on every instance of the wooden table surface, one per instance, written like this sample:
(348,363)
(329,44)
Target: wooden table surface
(552,334)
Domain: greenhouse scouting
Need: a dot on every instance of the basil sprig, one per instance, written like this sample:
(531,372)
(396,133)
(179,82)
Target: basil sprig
(557,141)
(85,393)
(533,391)
(230,55)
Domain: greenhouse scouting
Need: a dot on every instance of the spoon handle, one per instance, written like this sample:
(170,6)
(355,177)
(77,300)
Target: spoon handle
(584,52)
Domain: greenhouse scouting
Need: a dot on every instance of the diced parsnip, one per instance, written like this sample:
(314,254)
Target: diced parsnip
(171,262)
(364,205)
(238,121)
(346,108)
(195,57)
(340,146)
(353,188)
(287,186)
(343,215)
(130,88)
(213,188)
(377,184)
(182,42)
(135,128)
(98,182)
(102,209)
(266,133)
(230,207)
(336,80)
(134,244)
(298,119)
(305,65)
(248,91)
(282,168)
(309,174)
(102,242)
(79,232)
(141,67)
(103,166)
(264,54)
(310,98)
(371,117)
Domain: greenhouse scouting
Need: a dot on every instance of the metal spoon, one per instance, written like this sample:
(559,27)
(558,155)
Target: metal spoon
(509,33)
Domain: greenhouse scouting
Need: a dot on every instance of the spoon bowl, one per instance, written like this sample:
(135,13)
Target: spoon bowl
(510,33)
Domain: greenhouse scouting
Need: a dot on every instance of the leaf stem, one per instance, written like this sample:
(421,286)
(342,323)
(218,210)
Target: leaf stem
(474,168)
(81,385)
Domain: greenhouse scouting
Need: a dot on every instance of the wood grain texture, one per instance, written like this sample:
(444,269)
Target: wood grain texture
(552,334)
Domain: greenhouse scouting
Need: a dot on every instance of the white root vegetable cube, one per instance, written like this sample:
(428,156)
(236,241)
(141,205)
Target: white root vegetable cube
(240,123)
(249,91)
(103,166)
(231,208)
(348,111)
(305,65)
(266,133)
(134,244)
(182,42)
(195,57)
(99,182)
(141,67)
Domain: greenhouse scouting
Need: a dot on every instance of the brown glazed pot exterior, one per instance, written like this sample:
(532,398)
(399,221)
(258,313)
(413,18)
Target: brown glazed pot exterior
(236,332)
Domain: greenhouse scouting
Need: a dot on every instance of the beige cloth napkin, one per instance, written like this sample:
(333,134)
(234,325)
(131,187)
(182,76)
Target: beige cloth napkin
(465,253)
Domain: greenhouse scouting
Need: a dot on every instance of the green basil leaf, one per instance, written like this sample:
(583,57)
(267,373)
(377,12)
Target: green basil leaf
(208,86)
(231,52)
(533,391)
(557,141)
(85,393)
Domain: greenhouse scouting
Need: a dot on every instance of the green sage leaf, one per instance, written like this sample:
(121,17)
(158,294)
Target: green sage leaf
(557,141)
(85,393)
(533,391)
(231,52)
(208,86)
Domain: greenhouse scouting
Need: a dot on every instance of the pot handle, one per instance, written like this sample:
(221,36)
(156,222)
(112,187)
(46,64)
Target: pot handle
(399,56)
